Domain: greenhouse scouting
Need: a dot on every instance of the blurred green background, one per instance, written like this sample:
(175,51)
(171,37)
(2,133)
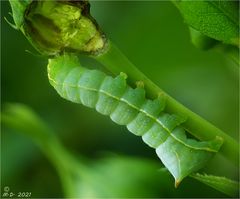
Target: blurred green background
(154,37)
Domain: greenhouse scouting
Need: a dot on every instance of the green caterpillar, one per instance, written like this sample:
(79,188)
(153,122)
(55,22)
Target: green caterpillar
(128,106)
(53,27)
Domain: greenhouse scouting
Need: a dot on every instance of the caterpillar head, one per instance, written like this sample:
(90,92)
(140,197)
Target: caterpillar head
(56,26)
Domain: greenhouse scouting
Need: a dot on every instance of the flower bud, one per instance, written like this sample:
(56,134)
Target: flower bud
(56,26)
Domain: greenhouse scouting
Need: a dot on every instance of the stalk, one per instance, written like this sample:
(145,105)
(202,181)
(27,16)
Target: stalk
(115,61)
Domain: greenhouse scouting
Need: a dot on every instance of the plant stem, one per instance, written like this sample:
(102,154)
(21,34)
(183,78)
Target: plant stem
(24,120)
(115,61)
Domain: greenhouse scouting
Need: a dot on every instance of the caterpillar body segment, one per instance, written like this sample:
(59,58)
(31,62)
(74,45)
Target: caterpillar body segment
(127,106)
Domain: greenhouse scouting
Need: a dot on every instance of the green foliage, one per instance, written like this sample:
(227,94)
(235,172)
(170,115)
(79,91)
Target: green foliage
(213,24)
(178,70)
(222,184)
(111,176)
(113,61)
(215,19)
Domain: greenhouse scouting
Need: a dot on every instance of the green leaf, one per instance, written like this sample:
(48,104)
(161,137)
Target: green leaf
(225,185)
(215,19)
(18,10)
(201,41)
